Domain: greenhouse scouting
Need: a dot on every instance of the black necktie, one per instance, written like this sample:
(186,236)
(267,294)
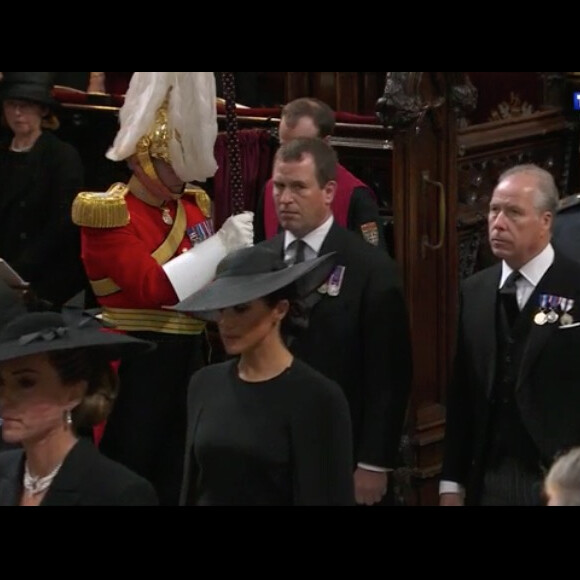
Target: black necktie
(509,297)
(300,246)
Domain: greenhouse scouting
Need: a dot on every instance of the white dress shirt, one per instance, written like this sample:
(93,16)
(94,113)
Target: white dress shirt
(313,241)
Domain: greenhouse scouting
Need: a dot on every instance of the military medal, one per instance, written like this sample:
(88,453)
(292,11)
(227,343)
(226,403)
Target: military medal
(566,319)
(200,232)
(540,318)
(166,216)
(335,281)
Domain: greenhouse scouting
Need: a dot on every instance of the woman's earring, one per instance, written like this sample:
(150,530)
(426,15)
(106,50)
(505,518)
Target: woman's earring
(68,418)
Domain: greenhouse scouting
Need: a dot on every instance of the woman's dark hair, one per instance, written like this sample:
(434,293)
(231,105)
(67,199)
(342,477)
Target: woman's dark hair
(93,366)
(296,317)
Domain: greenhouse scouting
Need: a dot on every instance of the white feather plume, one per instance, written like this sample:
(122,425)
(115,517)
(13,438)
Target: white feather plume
(191,113)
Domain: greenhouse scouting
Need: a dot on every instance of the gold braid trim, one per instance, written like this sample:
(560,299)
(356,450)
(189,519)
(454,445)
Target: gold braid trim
(101,209)
(162,255)
(202,199)
(166,321)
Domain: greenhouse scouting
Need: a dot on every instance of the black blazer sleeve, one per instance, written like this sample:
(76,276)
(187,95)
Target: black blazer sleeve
(363,210)
(387,367)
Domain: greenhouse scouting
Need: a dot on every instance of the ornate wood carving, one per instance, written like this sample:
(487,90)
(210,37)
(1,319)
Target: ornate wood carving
(403,104)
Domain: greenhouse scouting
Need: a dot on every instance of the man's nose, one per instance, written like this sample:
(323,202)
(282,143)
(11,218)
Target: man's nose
(285,196)
(499,221)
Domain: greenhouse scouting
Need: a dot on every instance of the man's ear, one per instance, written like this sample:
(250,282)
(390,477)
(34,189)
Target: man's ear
(329,191)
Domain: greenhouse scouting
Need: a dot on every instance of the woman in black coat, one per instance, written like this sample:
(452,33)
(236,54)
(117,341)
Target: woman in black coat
(264,428)
(39,177)
(56,378)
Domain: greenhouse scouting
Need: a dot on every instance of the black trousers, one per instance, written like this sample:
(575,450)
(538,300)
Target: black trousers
(146,428)
(512,482)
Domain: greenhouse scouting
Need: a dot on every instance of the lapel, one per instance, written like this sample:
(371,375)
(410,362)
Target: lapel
(28,183)
(11,477)
(484,324)
(556,282)
(332,243)
(67,487)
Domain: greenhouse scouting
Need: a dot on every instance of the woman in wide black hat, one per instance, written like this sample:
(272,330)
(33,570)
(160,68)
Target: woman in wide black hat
(39,177)
(263,428)
(55,378)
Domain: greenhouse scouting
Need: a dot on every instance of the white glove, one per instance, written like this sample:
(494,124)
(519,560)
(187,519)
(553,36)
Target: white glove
(192,270)
(237,231)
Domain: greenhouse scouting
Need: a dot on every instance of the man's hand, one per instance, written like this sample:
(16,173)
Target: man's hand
(369,486)
(237,231)
(451,499)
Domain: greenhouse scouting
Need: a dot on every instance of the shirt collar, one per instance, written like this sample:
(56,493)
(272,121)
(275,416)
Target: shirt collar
(313,239)
(534,270)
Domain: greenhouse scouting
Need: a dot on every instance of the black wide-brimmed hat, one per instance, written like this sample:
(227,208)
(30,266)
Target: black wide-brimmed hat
(11,304)
(39,332)
(29,86)
(252,273)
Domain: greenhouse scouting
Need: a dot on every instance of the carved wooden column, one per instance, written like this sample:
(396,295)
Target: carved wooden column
(420,108)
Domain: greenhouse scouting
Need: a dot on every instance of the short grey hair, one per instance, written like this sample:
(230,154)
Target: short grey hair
(546,196)
(564,477)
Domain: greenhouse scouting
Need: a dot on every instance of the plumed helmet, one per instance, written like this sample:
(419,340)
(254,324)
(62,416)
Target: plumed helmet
(170,116)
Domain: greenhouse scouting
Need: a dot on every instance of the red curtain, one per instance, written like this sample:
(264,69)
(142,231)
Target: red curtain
(256,152)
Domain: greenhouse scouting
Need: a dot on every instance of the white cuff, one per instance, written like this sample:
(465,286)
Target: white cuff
(450,487)
(195,268)
(373,468)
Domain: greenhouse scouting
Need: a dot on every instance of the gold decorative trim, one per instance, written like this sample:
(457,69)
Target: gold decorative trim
(202,199)
(166,321)
(101,209)
(164,253)
(167,249)
(104,287)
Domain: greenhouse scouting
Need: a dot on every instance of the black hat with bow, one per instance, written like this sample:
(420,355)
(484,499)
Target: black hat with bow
(38,332)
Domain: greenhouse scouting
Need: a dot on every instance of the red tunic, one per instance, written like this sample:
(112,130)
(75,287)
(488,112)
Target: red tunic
(123,254)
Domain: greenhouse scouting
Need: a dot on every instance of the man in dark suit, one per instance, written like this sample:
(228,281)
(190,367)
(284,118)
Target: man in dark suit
(358,331)
(514,401)
(354,205)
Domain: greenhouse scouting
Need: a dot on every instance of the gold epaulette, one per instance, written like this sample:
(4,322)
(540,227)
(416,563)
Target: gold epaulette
(202,199)
(568,202)
(102,209)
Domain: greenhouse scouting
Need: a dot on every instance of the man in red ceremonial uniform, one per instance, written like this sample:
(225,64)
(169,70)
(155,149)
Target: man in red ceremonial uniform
(145,246)
(354,206)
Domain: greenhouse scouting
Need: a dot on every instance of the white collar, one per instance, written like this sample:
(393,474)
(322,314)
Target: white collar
(534,270)
(313,239)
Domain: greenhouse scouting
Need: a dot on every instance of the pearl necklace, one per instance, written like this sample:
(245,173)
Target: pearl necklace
(20,149)
(36,485)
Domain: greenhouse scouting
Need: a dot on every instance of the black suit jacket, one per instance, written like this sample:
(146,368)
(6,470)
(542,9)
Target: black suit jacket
(86,478)
(548,380)
(37,235)
(360,339)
